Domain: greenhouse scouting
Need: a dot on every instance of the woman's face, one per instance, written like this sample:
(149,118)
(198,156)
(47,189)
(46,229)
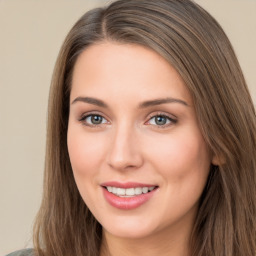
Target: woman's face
(138,156)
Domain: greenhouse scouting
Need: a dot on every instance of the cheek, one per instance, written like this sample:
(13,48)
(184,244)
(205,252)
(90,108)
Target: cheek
(84,150)
(183,158)
(184,162)
(86,157)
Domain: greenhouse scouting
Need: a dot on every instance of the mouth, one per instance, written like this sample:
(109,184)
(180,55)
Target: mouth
(129,192)
(128,196)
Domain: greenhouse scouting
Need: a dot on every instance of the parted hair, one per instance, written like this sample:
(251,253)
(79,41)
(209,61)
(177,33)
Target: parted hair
(192,42)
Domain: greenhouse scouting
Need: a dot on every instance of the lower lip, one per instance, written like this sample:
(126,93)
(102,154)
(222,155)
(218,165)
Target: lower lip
(127,203)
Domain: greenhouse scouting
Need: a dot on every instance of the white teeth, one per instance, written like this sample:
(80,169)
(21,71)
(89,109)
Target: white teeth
(110,189)
(138,191)
(129,192)
(145,190)
(121,191)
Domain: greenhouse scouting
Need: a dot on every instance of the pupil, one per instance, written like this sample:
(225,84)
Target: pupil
(96,119)
(160,120)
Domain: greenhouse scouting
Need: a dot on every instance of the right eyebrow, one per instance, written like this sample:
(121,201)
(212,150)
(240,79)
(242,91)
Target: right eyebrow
(156,102)
(90,100)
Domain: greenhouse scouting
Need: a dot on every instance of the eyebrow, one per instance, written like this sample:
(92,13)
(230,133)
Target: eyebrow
(90,100)
(144,104)
(156,102)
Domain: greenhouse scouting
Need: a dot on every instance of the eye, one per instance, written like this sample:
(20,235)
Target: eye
(161,120)
(93,120)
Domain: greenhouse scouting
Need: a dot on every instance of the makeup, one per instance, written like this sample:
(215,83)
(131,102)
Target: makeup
(128,196)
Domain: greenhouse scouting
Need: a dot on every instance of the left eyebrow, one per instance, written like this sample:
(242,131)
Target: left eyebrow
(90,100)
(156,102)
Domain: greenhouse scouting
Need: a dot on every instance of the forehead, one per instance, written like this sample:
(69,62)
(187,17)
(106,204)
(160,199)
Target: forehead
(124,69)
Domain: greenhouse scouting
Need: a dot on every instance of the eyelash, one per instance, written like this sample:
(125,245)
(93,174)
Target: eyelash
(84,117)
(171,120)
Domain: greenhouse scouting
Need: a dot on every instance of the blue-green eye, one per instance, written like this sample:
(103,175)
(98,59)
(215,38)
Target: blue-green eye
(161,120)
(94,120)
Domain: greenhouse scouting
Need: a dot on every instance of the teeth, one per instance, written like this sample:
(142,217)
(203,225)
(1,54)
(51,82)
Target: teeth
(110,189)
(145,190)
(138,191)
(121,191)
(114,190)
(129,192)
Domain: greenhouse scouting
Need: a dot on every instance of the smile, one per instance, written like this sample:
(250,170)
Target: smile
(128,196)
(129,192)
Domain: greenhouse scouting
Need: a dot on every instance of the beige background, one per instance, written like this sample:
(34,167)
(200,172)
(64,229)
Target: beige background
(31,33)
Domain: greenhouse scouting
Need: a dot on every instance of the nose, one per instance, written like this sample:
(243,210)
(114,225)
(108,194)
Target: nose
(124,152)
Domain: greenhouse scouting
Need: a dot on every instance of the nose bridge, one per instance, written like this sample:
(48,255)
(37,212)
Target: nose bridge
(124,149)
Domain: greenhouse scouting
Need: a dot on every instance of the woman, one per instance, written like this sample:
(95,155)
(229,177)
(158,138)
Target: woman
(151,138)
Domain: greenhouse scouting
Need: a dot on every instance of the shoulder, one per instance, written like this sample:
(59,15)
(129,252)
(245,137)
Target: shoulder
(25,252)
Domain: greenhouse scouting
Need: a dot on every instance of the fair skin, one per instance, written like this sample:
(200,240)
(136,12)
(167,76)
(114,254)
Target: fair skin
(132,121)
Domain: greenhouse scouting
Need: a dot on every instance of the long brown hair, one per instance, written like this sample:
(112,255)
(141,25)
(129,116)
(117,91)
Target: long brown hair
(196,46)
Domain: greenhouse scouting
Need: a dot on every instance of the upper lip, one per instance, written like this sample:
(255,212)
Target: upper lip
(126,184)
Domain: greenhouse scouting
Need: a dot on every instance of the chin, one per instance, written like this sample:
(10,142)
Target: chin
(129,228)
(128,233)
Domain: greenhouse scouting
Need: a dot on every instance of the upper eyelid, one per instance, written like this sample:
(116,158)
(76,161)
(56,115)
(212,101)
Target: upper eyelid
(86,115)
(150,116)
(171,117)
(159,113)
(91,113)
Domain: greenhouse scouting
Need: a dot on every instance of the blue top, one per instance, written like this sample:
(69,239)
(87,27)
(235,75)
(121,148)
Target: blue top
(25,252)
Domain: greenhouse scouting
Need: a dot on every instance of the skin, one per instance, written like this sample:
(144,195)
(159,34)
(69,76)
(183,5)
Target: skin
(130,145)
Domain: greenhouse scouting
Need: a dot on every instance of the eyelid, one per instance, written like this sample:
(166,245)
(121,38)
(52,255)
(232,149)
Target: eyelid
(173,120)
(87,114)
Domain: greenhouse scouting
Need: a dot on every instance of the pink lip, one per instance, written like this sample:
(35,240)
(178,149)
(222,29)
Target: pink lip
(126,203)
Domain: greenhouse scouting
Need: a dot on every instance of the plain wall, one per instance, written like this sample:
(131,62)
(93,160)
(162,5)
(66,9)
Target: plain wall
(31,33)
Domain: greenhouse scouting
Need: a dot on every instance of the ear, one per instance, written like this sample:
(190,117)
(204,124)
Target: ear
(218,160)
